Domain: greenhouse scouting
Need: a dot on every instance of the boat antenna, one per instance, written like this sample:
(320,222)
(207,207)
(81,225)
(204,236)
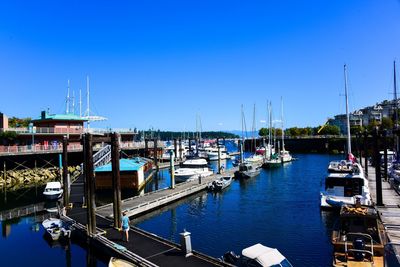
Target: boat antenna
(347,111)
(67,100)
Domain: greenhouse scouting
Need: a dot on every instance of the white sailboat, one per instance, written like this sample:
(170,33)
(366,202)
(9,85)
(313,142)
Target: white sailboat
(284,154)
(346,183)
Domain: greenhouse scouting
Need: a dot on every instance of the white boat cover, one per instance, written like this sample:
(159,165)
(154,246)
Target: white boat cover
(56,185)
(265,256)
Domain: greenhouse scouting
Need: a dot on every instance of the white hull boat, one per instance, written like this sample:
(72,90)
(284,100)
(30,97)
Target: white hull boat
(54,227)
(53,190)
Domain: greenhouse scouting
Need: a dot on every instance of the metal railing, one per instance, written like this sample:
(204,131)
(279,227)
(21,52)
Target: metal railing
(69,130)
(102,157)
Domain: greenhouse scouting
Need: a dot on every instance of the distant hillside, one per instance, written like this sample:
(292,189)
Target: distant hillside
(169,135)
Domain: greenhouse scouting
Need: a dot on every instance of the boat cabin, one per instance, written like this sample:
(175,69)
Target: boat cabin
(245,167)
(344,185)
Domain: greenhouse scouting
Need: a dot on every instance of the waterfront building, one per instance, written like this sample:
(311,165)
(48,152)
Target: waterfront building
(135,173)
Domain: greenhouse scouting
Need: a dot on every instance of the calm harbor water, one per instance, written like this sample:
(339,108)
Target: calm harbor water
(279,208)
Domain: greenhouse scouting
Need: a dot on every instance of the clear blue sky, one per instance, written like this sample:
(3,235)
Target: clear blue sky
(159,63)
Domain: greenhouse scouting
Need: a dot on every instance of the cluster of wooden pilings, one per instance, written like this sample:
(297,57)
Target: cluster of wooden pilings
(379,141)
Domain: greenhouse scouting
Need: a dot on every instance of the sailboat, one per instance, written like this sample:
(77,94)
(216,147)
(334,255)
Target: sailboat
(346,183)
(273,161)
(284,154)
(254,158)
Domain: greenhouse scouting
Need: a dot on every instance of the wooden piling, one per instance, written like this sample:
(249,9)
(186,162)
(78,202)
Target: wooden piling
(116,179)
(366,152)
(176,147)
(172,168)
(379,201)
(180,149)
(65,171)
(146,147)
(385,158)
(5,180)
(90,185)
(155,152)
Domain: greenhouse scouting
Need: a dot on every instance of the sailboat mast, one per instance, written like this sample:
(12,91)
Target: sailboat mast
(80,103)
(283,132)
(254,128)
(270,130)
(347,112)
(396,115)
(88,101)
(67,104)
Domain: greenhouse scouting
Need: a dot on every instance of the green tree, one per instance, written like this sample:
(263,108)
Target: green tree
(263,132)
(14,122)
(356,129)
(330,130)
(386,123)
(372,124)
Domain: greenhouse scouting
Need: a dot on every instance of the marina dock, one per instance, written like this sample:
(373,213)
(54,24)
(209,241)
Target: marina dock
(390,211)
(140,204)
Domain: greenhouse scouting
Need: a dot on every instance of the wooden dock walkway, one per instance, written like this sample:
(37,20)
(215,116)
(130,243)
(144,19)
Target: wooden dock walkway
(143,248)
(390,212)
(147,202)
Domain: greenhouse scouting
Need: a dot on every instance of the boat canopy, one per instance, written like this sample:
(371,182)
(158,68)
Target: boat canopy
(265,256)
(53,185)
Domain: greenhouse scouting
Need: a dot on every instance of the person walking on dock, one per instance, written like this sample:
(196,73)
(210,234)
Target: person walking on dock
(125,226)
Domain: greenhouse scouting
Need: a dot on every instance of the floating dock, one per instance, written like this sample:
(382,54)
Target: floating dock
(390,211)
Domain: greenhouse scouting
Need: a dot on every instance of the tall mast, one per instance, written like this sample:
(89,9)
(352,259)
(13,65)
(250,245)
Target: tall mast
(347,112)
(73,103)
(283,134)
(88,100)
(254,127)
(67,100)
(80,103)
(241,113)
(270,129)
(396,116)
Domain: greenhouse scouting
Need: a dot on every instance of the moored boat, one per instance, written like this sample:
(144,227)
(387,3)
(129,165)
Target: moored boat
(115,262)
(54,227)
(247,170)
(220,184)
(257,255)
(345,188)
(192,169)
(359,238)
(53,190)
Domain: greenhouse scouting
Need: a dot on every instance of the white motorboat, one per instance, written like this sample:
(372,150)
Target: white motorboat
(53,190)
(248,170)
(54,227)
(257,255)
(220,184)
(213,155)
(345,188)
(192,169)
(255,160)
(115,262)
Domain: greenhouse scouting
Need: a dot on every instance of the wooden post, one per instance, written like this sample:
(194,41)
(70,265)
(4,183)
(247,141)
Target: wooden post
(197,146)
(219,157)
(180,149)
(366,153)
(65,171)
(155,149)
(172,168)
(5,180)
(241,151)
(176,147)
(385,158)
(116,179)
(379,201)
(146,147)
(90,185)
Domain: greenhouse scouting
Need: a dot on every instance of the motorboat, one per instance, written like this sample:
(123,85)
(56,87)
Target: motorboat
(192,169)
(255,160)
(257,255)
(345,166)
(53,190)
(115,262)
(285,156)
(220,184)
(213,155)
(359,238)
(345,188)
(55,228)
(247,170)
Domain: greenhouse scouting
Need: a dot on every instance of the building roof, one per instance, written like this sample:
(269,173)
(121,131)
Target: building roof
(124,165)
(45,116)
